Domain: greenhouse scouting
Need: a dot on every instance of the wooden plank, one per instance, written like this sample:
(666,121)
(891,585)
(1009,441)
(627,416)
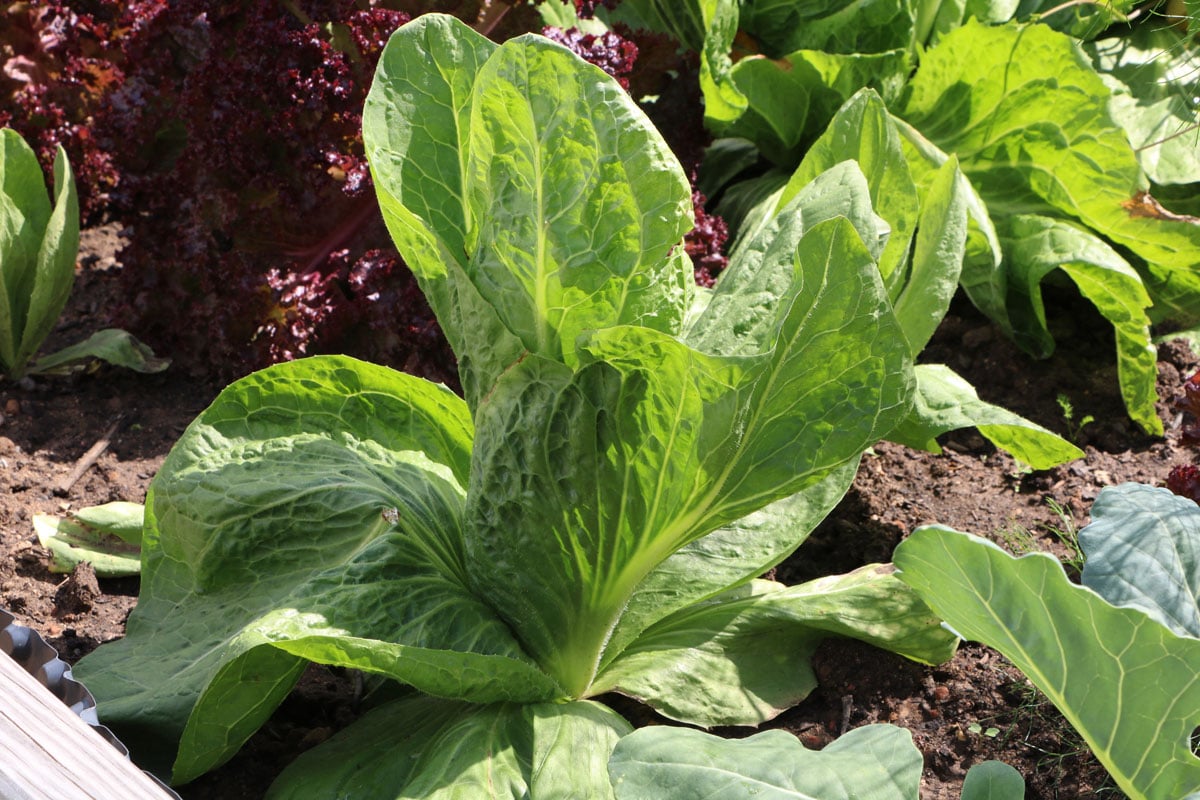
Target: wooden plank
(49,753)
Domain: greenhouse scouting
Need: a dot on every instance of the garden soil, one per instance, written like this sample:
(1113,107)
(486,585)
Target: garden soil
(974,708)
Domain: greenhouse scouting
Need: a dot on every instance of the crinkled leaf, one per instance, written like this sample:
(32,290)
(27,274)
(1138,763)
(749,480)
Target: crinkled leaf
(742,550)
(438,749)
(312,512)
(744,657)
(1036,246)
(1143,550)
(55,266)
(1127,683)
(108,537)
(655,444)
(111,345)
(1028,117)
(875,762)
(945,402)
(863,131)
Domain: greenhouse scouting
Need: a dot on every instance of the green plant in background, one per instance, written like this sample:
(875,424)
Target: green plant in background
(1119,655)
(38,245)
(592,518)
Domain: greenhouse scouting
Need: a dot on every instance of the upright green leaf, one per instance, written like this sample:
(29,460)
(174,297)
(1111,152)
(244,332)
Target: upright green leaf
(422,747)
(275,532)
(24,213)
(875,762)
(1128,684)
(657,444)
(1143,550)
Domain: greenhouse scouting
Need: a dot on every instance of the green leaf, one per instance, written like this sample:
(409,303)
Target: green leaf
(744,657)
(438,749)
(1143,550)
(108,537)
(945,402)
(863,131)
(112,345)
(1028,117)
(1127,684)
(836,26)
(657,444)
(1036,246)
(24,214)
(279,529)
(993,780)
(875,762)
(55,266)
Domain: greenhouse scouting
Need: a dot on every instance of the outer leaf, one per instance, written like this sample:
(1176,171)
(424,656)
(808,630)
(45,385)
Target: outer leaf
(421,747)
(73,540)
(729,556)
(112,345)
(993,780)
(863,131)
(656,445)
(1037,246)
(1028,117)
(55,266)
(875,762)
(945,402)
(351,557)
(575,199)
(1143,550)
(743,658)
(24,214)
(1128,685)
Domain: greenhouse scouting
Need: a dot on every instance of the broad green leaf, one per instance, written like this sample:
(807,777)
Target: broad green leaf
(575,199)
(55,266)
(657,444)
(875,762)
(108,537)
(1080,20)
(1036,246)
(835,26)
(1154,73)
(945,402)
(24,214)
(111,345)
(312,512)
(1128,684)
(416,129)
(993,780)
(1143,550)
(1028,117)
(422,747)
(791,100)
(863,131)
(744,657)
(732,555)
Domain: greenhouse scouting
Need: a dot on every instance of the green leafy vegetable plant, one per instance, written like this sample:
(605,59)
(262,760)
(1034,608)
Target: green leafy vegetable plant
(108,537)
(629,457)
(1119,656)
(38,245)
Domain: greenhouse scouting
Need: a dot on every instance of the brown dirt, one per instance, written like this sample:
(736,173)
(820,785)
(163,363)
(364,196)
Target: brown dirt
(974,708)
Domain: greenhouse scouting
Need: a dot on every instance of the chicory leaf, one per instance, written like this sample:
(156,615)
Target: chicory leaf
(1038,245)
(945,402)
(438,749)
(1126,683)
(657,444)
(744,657)
(108,537)
(1142,549)
(111,345)
(352,555)
(24,213)
(875,762)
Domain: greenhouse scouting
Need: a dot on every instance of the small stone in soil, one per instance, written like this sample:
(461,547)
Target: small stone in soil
(78,593)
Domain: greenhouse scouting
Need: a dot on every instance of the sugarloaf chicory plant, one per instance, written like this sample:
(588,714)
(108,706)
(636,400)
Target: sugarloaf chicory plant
(592,518)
